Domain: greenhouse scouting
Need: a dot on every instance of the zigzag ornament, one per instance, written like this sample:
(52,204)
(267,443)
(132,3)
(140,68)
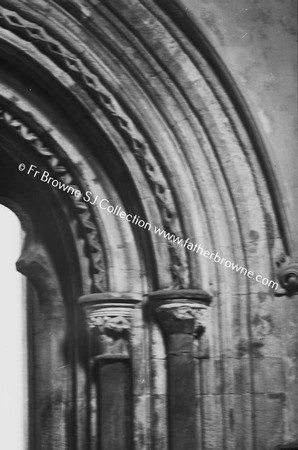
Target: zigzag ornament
(93,246)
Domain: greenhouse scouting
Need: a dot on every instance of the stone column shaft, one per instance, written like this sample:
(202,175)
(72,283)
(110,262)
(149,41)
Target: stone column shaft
(114,403)
(109,323)
(182,408)
(181,316)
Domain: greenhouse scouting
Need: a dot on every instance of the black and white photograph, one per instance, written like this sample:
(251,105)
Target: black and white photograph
(148,225)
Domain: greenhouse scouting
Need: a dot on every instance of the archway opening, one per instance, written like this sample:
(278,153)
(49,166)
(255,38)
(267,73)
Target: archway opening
(13,336)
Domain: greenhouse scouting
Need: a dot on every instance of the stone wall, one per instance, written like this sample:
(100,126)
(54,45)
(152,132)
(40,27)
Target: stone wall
(257,41)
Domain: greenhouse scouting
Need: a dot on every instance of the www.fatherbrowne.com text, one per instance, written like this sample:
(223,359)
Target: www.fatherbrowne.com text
(134,219)
(197,248)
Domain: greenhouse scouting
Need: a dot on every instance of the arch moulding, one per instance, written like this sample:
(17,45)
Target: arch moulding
(124,101)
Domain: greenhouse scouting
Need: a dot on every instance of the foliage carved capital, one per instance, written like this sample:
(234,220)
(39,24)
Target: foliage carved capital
(109,322)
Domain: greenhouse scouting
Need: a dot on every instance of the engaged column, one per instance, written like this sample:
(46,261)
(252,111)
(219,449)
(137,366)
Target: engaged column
(181,316)
(109,322)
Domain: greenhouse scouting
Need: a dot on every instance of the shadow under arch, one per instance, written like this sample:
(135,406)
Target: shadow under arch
(48,260)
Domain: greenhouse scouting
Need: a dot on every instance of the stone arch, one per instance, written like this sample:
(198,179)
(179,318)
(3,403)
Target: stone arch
(120,101)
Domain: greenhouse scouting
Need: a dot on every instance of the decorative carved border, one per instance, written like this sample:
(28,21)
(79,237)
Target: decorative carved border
(125,126)
(85,216)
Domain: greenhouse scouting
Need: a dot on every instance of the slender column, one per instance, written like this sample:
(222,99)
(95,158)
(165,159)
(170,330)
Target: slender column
(181,316)
(109,322)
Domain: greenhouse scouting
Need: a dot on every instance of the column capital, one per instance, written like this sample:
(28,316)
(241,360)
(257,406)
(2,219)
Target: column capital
(181,311)
(108,317)
(186,318)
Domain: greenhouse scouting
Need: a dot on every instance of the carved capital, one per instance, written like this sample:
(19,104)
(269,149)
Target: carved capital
(188,318)
(109,321)
(287,273)
(182,311)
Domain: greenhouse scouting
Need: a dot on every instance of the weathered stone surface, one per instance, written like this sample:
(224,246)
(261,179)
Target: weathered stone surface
(129,102)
